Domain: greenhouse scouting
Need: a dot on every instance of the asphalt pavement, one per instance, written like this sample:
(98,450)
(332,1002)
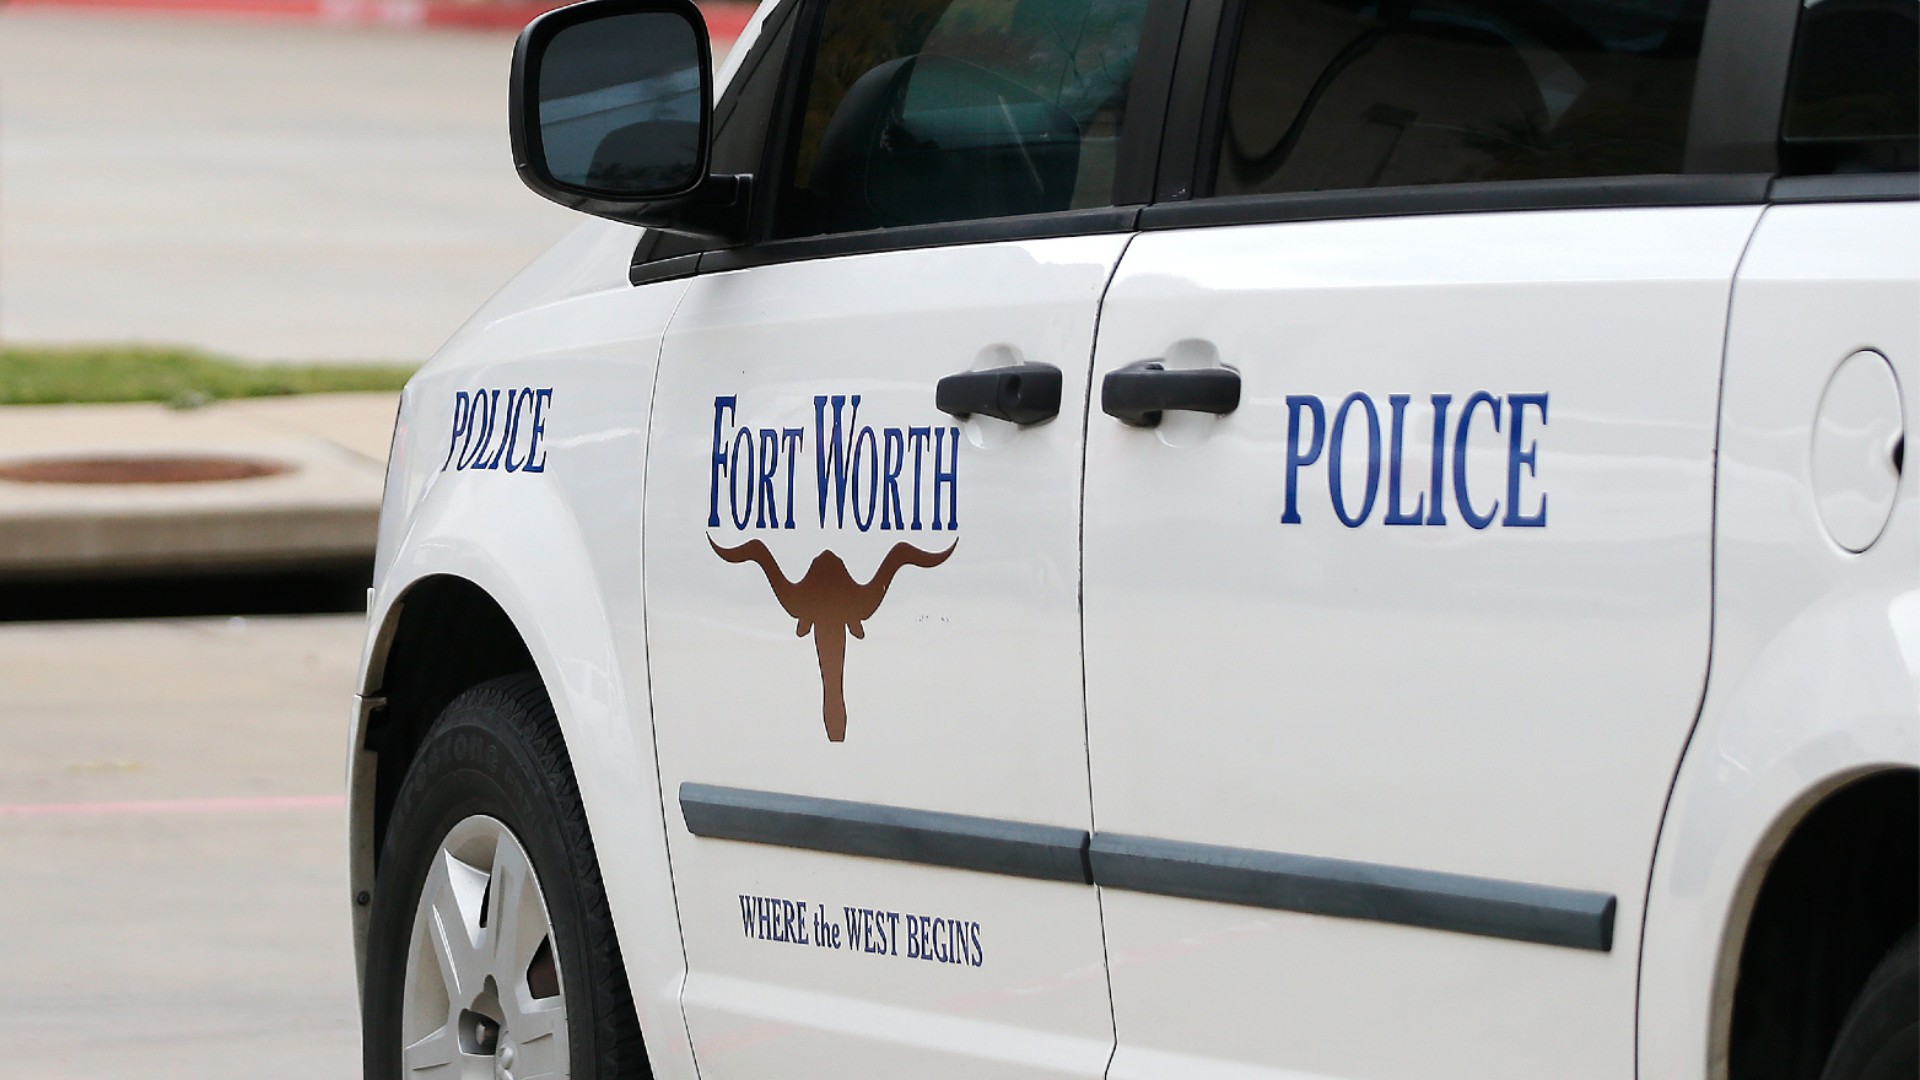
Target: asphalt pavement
(173,883)
(262,189)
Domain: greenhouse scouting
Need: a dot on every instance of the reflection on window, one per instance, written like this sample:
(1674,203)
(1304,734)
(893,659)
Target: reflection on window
(1340,94)
(1853,101)
(620,104)
(922,111)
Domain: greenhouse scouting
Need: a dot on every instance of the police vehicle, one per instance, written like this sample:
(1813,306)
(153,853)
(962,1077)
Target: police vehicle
(1233,539)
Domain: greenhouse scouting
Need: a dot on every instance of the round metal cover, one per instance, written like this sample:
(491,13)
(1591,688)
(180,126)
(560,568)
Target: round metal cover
(1857,450)
(137,469)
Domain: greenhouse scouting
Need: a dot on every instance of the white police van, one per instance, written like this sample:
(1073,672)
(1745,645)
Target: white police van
(1237,539)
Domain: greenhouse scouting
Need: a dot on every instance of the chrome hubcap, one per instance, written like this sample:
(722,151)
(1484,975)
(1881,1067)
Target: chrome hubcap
(483,998)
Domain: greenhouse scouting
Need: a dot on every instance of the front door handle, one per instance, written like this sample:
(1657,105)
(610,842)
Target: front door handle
(1022,394)
(1138,393)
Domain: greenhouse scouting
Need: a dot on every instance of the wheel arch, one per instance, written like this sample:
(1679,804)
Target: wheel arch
(1834,885)
(461,604)
(1810,717)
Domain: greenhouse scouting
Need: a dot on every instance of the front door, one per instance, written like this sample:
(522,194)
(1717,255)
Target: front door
(863,611)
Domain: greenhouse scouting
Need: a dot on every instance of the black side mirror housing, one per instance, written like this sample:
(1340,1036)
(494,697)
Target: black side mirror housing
(611,114)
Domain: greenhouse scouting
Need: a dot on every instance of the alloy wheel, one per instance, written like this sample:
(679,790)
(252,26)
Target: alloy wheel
(483,997)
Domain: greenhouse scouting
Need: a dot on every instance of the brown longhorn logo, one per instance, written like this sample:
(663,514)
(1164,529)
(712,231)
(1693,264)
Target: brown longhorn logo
(829,604)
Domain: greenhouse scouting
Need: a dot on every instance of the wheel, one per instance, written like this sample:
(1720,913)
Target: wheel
(1880,1038)
(490,950)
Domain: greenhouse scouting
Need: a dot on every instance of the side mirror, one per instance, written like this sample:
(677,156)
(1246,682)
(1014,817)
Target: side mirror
(611,114)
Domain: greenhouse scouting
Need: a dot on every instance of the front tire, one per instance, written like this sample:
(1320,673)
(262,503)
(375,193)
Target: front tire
(490,948)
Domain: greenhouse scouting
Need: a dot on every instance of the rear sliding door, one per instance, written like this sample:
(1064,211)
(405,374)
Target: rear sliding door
(1389,667)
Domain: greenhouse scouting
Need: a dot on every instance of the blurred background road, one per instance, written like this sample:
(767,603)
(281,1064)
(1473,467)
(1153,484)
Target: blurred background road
(172,837)
(172,850)
(263,189)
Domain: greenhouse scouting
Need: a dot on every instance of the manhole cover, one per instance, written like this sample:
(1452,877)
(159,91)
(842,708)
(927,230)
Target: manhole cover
(144,469)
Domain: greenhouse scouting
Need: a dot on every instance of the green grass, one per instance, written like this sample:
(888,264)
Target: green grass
(55,375)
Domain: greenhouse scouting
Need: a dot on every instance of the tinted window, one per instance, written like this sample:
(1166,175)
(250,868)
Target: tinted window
(1338,94)
(920,111)
(740,123)
(1853,100)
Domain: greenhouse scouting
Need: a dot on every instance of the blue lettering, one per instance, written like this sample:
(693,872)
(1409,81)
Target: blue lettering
(893,458)
(918,438)
(482,418)
(1337,441)
(831,454)
(949,477)
(791,438)
(742,470)
(1517,457)
(769,465)
(462,413)
(514,401)
(1467,512)
(865,449)
(541,399)
(721,407)
(506,428)
(1295,457)
(1439,490)
(1397,452)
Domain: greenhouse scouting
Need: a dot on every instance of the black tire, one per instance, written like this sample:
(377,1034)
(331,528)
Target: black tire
(496,751)
(1880,1038)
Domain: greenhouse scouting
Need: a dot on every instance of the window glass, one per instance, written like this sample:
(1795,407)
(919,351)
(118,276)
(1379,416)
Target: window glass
(1340,94)
(921,111)
(740,123)
(1853,100)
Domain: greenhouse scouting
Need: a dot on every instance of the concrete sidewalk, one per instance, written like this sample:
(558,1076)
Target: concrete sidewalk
(323,508)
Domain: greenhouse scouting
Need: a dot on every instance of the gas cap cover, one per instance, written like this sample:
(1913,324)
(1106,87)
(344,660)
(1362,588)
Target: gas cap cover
(1855,476)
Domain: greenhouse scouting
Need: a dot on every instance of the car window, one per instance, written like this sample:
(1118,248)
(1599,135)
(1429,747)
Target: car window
(1853,99)
(1342,94)
(923,111)
(740,121)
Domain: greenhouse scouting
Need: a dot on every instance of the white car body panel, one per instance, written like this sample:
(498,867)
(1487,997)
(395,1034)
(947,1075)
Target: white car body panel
(963,696)
(1543,679)
(1148,650)
(559,552)
(571,322)
(1816,660)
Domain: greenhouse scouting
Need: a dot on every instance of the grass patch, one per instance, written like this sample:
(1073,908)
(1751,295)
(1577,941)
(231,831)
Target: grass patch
(60,375)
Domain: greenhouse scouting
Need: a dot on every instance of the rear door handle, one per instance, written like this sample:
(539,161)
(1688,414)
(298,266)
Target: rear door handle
(1022,394)
(1139,393)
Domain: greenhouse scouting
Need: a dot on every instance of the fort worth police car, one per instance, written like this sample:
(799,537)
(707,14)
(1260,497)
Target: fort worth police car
(1238,539)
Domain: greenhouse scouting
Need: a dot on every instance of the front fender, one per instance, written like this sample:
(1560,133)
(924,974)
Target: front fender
(543,579)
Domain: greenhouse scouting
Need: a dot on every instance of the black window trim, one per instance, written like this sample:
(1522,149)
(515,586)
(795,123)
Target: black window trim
(1596,193)
(1846,187)
(1092,222)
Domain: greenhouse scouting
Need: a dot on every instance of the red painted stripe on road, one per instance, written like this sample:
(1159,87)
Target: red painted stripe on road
(724,20)
(257,805)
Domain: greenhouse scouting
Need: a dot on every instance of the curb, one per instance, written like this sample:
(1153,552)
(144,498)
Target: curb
(724,20)
(321,510)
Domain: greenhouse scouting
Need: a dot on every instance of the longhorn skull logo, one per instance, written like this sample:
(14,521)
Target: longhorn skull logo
(829,604)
